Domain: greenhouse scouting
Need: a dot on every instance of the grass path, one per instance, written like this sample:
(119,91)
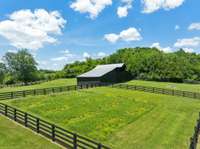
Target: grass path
(13,136)
(178,86)
(54,83)
(120,118)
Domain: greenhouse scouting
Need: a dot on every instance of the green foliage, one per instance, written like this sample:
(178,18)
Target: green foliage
(77,68)
(21,65)
(147,64)
(2,72)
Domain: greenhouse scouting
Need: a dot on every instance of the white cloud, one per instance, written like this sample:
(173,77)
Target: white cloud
(130,34)
(101,54)
(112,37)
(177,27)
(188,50)
(66,55)
(61,58)
(154,5)
(194,26)
(31,30)
(86,55)
(157,45)
(122,11)
(12,50)
(188,42)
(93,7)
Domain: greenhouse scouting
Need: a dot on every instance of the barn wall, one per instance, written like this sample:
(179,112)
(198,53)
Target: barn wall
(115,76)
(92,80)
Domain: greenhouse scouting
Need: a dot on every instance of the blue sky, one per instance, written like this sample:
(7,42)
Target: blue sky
(60,32)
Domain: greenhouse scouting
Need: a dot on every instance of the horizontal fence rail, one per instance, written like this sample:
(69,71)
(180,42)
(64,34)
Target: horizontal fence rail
(157,90)
(23,84)
(195,136)
(34,92)
(45,91)
(57,134)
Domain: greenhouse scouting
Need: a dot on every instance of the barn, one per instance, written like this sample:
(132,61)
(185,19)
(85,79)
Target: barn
(101,74)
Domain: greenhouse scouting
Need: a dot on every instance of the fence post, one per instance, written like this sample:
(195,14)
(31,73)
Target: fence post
(99,146)
(25,119)
(24,94)
(15,114)
(183,93)
(75,141)
(6,110)
(38,125)
(34,92)
(53,132)
(12,95)
(45,92)
(191,143)
(195,95)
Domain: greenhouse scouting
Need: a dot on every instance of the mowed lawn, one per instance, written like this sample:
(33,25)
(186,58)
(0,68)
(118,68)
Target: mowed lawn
(13,136)
(168,85)
(121,119)
(54,83)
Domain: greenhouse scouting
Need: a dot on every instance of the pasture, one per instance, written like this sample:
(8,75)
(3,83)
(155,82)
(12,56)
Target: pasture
(54,83)
(14,136)
(168,85)
(119,118)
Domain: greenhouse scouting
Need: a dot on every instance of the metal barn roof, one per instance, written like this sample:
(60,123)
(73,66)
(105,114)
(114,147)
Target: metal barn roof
(101,70)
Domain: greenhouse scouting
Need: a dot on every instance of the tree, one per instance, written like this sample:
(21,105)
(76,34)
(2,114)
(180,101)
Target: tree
(2,72)
(21,65)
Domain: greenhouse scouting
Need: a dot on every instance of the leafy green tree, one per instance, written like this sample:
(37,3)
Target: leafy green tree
(21,65)
(2,72)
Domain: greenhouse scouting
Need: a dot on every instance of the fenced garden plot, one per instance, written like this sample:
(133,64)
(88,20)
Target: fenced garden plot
(117,117)
(55,133)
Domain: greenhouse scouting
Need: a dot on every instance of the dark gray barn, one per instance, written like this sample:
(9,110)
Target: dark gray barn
(110,73)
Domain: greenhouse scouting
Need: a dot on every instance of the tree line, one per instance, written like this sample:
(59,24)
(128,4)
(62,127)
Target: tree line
(142,62)
(147,64)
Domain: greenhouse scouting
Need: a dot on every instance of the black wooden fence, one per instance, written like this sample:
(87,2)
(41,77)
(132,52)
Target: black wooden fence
(157,90)
(194,138)
(45,91)
(34,92)
(55,133)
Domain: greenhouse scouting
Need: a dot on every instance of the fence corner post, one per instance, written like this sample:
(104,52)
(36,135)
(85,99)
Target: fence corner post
(53,132)
(15,114)
(6,110)
(25,119)
(99,146)
(38,125)
(75,141)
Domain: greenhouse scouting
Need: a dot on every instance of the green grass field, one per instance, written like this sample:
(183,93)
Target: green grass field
(54,83)
(178,86)
(122,119)
(13,136)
